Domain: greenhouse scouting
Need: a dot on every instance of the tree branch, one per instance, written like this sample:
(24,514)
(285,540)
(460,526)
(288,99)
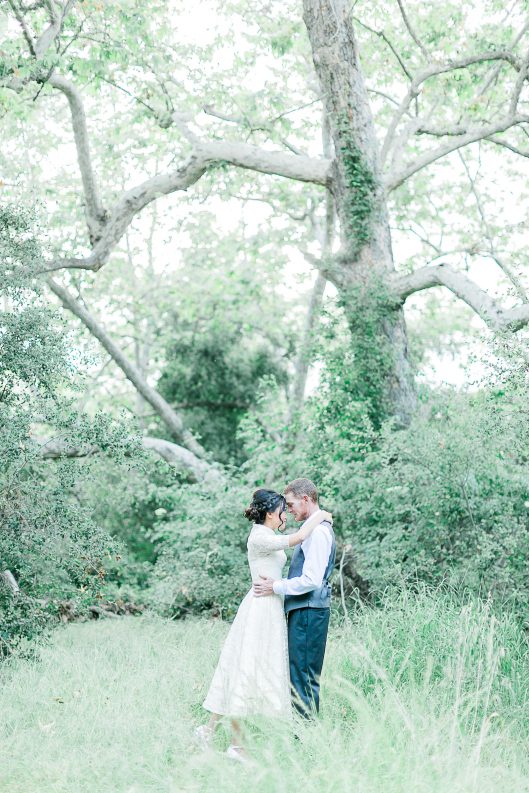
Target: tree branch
(507,145)
(411,30)
(522,76)
(11,581)
(56,448)
(432,71)
(517,317)
(478,133)
(163,119)
(442,132)
(50,34)
(170,418)
(252,126)
(496,70)
(495,316)
(382,35)
(178,456)
(95,213)
(38,48)
(507,270)
(128,205)
(245,155)
(25,30)
(443,275)
(205,155)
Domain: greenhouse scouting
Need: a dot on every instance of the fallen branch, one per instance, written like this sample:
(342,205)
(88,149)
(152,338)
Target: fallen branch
(11,581)
(197,469)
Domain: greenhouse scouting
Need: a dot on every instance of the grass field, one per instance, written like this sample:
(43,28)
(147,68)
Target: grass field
(421,695)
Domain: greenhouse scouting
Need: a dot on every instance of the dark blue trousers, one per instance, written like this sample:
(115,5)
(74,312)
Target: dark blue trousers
(307,637)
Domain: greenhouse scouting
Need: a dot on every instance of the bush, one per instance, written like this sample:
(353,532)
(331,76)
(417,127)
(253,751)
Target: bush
(201,543)
(48,539)
(445,499)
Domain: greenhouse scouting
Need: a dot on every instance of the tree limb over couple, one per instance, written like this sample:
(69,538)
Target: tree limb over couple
(272,658)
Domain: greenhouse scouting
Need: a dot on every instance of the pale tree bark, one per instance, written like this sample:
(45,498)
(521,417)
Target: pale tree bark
(472,134)
(11,581)
(171,419)
(94,211)
(196,470)
(325,234)
(140,328)
(366,256)
(107,227)
(495,316)
(303,169)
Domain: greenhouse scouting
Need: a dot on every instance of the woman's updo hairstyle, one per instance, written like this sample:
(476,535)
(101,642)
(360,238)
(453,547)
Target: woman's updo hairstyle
(264,501)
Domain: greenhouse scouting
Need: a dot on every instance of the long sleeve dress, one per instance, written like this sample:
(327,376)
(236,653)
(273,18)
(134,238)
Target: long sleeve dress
(252,676)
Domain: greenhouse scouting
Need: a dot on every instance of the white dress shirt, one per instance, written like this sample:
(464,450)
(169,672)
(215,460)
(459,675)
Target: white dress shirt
(316,550)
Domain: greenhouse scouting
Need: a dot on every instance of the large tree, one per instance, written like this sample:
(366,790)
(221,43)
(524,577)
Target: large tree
(447,95)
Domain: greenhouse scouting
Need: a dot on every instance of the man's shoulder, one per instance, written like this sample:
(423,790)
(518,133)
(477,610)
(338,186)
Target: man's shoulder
(323,529)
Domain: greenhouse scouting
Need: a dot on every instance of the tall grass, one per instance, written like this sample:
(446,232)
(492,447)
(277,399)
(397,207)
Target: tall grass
(419,695)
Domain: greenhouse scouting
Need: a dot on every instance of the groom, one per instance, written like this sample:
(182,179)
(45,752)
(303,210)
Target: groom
(307,598)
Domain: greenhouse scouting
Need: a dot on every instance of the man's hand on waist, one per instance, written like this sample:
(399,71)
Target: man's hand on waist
(264,587)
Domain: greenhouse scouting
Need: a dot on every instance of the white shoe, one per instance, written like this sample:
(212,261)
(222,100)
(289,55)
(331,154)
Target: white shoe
(203,736)
(234,753)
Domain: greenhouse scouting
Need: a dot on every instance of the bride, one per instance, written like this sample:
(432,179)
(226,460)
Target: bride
(252,674)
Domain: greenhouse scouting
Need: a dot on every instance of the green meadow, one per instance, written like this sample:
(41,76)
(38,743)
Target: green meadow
(422,694)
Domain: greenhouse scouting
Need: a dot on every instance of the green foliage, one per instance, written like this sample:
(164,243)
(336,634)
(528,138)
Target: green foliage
(448,499)
(223,334)
(131,505)
(434,642)
(445,499)
(357,361)
(213,376)
(423,503)
(365,374)
(200,538)
(359,201)
(48,540)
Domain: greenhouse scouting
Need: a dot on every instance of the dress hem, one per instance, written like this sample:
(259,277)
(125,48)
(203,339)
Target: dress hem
(242,714)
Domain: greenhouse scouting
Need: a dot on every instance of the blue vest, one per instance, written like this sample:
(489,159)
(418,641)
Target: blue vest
(318,598)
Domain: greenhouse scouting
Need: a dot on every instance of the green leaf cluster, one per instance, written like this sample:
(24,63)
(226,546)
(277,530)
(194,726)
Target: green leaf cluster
(360,189)
(48,538)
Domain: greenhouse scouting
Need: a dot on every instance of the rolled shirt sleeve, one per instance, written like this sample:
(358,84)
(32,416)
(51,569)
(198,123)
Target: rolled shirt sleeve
(316,549)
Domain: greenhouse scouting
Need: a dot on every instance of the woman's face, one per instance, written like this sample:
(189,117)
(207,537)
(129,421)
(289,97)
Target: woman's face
(277,519)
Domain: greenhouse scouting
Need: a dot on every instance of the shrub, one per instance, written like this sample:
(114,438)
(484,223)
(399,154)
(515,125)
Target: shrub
(48,540)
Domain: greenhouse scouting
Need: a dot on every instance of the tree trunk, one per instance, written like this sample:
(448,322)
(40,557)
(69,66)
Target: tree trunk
(363,268)
(305,348)
(325,234)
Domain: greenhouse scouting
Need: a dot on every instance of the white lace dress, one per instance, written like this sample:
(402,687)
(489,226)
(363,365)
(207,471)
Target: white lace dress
(252,675)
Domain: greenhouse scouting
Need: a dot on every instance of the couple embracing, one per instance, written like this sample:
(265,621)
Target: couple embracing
(269,663)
